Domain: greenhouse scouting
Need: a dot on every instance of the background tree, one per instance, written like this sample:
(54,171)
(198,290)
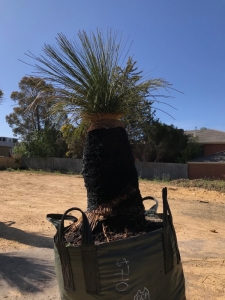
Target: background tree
(75,138)
(151,140)
(37,128)
(23,121)
(45,143)
(167,142)
(192,150)
(137,124)
(94,85)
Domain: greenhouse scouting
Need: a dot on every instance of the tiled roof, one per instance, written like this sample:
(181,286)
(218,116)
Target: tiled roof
(218,157)
(208,136)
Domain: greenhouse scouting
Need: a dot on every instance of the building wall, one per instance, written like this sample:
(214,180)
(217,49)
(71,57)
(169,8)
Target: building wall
(7,142)
(4,151)
(213,148)
(206,170)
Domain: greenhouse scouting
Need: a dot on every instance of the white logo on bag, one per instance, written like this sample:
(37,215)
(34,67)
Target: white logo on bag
(142,295)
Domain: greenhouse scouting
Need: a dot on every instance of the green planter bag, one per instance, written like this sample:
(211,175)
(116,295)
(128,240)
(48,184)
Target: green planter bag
(145,267)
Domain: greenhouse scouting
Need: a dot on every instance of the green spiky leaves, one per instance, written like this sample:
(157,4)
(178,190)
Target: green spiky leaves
(91,78)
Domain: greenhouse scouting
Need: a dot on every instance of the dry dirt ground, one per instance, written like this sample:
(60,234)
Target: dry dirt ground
(26,254)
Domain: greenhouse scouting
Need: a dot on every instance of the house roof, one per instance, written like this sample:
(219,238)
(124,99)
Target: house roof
(218,157)
(208,136)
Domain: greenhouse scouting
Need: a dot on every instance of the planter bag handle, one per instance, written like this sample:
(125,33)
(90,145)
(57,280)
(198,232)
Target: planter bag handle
(55,219)
(168,230)
(152,210)
(89,256)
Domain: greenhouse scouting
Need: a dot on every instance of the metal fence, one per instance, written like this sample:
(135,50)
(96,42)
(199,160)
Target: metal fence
(146,170)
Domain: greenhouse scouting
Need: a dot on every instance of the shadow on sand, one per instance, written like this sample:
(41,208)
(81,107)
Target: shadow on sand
(31,239)
(25,271)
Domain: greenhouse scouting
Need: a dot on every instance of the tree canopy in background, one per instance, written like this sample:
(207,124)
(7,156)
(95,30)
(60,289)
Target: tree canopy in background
(192,150)
(75,138)
(45,143)
(37,129)
(23,121)
(165,142)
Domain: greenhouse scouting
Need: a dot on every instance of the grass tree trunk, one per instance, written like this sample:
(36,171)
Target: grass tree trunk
(111,178)
(114,206)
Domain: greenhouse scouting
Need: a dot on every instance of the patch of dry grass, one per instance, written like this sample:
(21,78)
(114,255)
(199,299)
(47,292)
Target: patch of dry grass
(211,185)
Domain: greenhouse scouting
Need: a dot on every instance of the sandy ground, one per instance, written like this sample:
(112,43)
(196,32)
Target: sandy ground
(25,234)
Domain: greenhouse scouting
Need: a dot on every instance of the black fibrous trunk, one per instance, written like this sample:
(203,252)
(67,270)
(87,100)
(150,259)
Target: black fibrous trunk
(110,175)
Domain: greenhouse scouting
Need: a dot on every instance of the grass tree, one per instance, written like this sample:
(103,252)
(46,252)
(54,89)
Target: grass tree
(97,82)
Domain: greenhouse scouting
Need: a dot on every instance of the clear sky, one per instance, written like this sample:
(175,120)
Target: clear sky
(182,41)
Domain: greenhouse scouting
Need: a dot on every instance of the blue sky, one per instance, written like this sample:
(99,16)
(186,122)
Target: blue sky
(182,41)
